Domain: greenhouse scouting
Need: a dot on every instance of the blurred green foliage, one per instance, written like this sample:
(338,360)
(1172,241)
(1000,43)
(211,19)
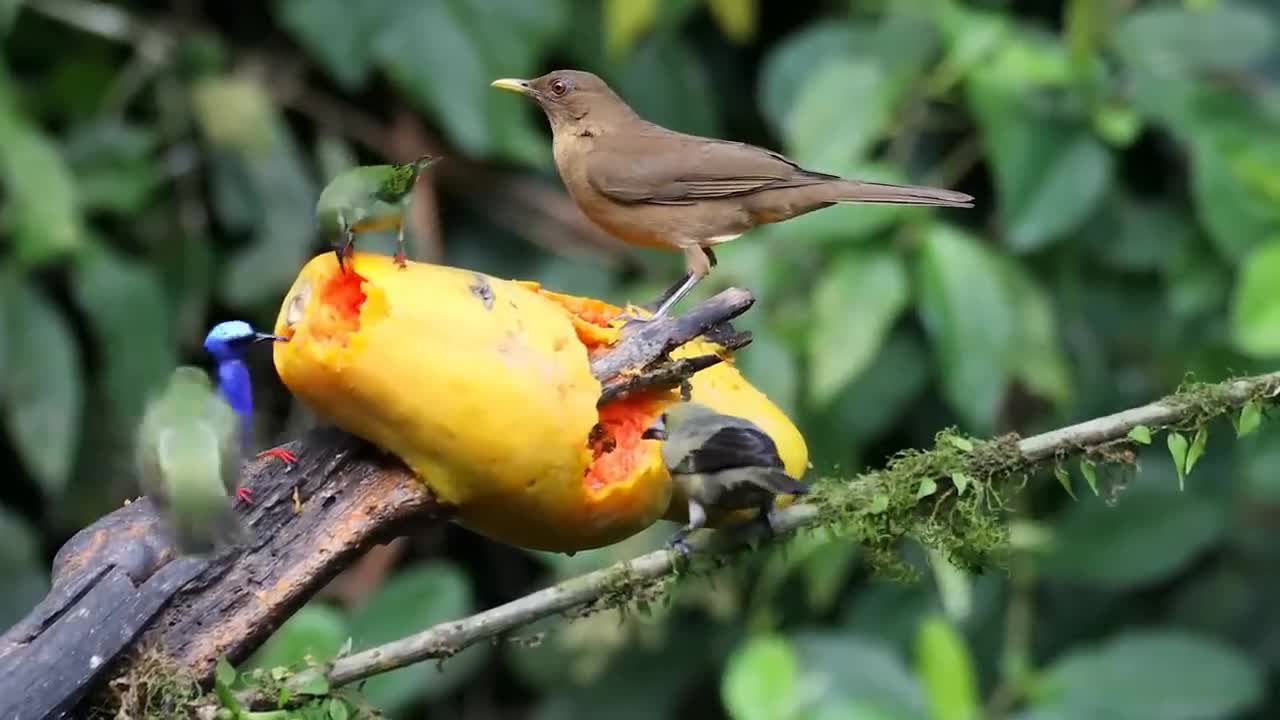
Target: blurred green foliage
(159,163)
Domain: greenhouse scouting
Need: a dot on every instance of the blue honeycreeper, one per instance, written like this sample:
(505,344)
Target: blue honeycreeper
(227,342)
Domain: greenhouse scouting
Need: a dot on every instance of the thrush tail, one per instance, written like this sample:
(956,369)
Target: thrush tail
(855,191)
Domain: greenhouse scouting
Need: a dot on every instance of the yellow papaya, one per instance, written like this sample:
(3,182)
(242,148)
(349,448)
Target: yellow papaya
(483,387)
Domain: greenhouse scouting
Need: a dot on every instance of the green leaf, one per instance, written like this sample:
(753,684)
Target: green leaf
(972,36)
(772,367)
(316,630)
(1178,450)
(1233,180)
(1176,41)
(842,108)
(878,504)
(789,63)
(761,680)
(43,392)
(1050,172)
(223,673)
(337,34)
(1144,234)
(1196,450)
(946,669)
(960,442)
(130,315)
(1119,125)
(338,710)
(112,165)
(736,18)
(1149,536)
(411,601)
(1168,50)
(1255,305)
(1036,358)
(1090,473)
(1064,478)
(855,668)
(1250,418)
(877,400)
(284,229)
(972,324)
(961,481)
(8,12)
(684,100)
(871,286)
(1140,434)
(43,208)
(826,571)
(311,682)
(1169,674)
(478,41)
(928,486)
(625,21)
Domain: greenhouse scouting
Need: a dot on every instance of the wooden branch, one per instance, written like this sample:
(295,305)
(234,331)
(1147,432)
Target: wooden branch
(447,639)
(119,582)
(645,343)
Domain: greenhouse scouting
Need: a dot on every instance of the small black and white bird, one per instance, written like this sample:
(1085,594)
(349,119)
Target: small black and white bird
(721,462)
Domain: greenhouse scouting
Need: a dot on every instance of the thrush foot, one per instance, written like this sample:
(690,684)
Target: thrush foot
(401,261)
(628,318)
(280,453)
(245,495)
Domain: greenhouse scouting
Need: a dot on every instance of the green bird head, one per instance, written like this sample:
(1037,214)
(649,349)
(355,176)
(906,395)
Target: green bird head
(188,460)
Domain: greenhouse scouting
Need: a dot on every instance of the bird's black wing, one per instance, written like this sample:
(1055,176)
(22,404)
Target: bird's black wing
(733,446)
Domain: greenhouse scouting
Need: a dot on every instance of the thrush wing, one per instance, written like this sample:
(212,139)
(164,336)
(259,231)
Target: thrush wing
(669,168)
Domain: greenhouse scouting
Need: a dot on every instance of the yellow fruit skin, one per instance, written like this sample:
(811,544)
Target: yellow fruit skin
(484,389)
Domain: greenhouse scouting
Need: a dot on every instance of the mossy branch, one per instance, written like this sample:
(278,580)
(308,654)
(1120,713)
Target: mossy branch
(950,497)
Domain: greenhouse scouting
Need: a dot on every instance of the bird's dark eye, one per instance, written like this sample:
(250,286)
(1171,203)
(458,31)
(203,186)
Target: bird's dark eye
(559,87)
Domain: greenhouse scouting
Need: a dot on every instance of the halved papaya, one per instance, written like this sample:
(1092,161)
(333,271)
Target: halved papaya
(483,387)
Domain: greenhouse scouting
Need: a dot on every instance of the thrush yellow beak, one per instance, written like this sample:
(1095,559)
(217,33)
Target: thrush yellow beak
(514,85)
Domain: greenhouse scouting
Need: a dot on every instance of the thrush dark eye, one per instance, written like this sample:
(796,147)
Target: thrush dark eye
(559,87)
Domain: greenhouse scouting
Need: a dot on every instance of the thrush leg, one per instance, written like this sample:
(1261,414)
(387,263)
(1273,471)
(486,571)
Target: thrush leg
(653,305)
(697,518)
(400,256)
(699,261)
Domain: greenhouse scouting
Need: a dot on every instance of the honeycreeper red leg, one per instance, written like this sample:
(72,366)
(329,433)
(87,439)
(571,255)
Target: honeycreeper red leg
(351,241)
(346,233)
(400,255)
(244,495)
(280,453)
